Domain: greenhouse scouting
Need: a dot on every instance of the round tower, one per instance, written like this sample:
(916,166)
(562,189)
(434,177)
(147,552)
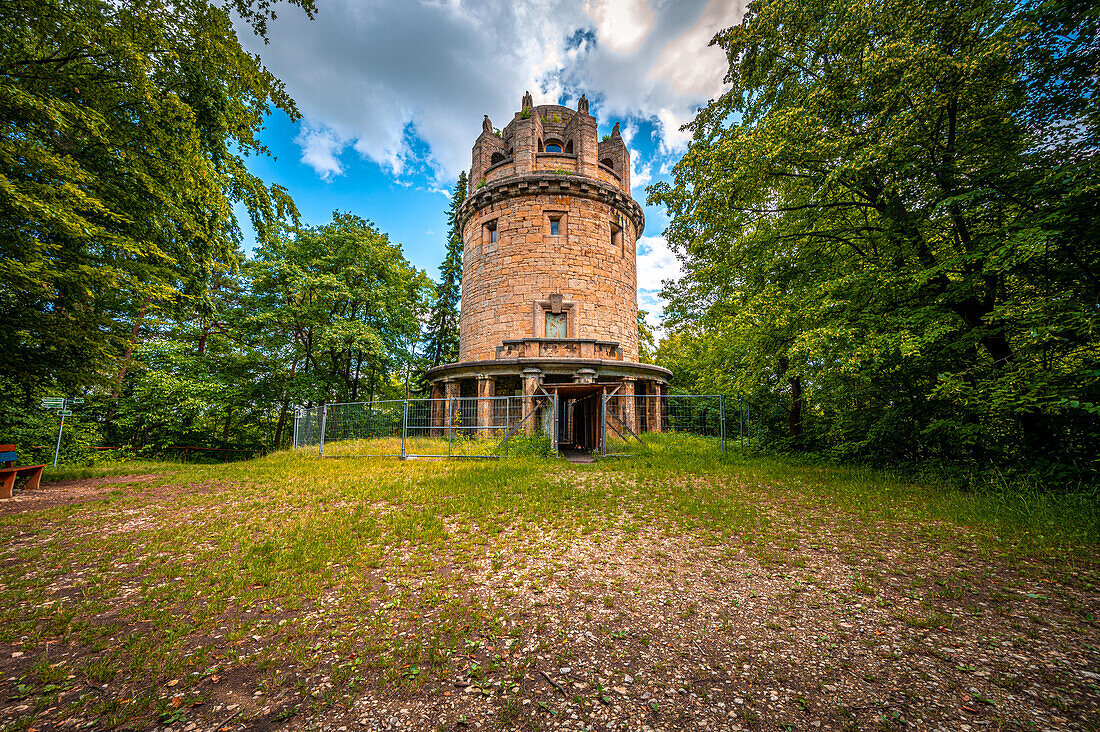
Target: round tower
(549,269)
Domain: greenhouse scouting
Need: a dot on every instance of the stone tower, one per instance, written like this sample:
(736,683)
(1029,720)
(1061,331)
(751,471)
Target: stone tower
(549,270)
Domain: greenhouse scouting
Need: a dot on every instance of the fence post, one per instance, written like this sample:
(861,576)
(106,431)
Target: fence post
(324,418)
(507,422)
(748,423)
(554,427)
(294,438)
(450,423)
(741,424)
(722,419)
(603,424)
(405,431)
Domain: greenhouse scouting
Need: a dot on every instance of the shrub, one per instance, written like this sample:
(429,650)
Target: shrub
(524,445)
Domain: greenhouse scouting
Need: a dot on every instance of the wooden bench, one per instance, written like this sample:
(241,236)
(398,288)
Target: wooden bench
(8,472)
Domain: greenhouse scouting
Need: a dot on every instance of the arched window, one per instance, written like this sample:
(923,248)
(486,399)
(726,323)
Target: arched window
(569,147)
(608,162)
(553,145)
(496,158)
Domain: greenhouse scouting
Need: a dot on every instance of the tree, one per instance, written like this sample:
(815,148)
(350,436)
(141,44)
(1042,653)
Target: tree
(889,206)
(334,307)
(647,343)
(124,129)
(441,335)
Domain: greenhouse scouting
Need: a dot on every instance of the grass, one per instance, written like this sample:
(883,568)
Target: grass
(358,568)
(466,444)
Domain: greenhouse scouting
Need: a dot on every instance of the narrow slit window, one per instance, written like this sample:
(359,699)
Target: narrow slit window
(491,232)
(617,239)
(555,227)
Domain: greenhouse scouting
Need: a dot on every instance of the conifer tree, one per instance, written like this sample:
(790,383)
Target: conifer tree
(441,339)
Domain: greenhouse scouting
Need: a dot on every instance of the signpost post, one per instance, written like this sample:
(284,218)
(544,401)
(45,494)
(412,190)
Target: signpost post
(63,405)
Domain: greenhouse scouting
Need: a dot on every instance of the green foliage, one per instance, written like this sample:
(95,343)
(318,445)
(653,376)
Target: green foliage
(34,433)
(647,343)
(441,336)
(522,444)
(121,156)
(327,313)
(885,221)
(338,308)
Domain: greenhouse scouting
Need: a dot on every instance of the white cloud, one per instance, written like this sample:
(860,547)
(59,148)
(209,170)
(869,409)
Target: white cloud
(370,74)
(640,177)
(687,62)
(321,148)
(620,24)
(656,263)
(672,140)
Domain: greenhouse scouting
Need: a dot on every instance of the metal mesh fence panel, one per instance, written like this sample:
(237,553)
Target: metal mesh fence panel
(515,425)
(307,427)
(636,420)
(447,427)
(362,429)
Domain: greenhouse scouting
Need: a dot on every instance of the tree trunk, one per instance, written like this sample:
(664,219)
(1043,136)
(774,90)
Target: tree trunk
(117,390)
(794,416)
(281,424)
(796,410)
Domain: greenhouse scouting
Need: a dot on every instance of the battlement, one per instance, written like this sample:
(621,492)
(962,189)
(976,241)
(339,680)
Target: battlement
(549,138)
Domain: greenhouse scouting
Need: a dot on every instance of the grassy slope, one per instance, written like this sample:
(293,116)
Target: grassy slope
(328,564)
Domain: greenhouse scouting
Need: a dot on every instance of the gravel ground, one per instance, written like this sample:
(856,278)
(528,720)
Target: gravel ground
(846,627)
(665,633)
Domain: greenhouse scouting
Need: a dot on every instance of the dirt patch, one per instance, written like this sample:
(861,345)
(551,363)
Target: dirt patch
(66,492)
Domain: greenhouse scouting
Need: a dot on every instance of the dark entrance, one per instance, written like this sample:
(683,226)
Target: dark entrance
(579,407)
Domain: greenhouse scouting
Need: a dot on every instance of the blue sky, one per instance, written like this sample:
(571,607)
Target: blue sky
(392,95)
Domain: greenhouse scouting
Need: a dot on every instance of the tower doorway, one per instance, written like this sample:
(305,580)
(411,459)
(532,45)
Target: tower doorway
(579,413)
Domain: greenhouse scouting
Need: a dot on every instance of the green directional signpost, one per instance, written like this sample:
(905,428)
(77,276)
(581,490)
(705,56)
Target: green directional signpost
(64,406)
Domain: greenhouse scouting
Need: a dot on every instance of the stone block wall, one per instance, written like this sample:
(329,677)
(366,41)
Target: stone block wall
(503,282)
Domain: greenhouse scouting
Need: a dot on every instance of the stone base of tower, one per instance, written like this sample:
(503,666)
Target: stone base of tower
(579,384)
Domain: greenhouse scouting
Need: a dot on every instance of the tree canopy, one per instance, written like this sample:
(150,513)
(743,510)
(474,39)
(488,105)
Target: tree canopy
(124,131)
(886,220)
(340,308)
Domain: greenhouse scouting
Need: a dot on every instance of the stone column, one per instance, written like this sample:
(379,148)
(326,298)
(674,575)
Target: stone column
(652,408)
(658,407)
(437,410)
(486,387)
(532,379)
(626,412)
(451,391)
(586,144)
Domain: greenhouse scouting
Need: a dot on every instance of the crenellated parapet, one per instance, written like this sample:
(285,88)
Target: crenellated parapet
(614,157)
(549,138)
